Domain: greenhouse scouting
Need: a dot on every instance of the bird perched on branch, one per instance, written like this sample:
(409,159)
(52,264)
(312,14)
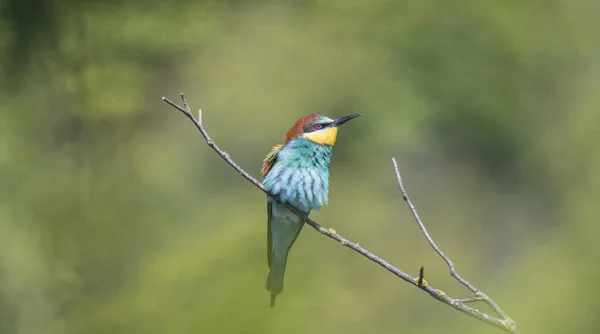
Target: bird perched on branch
(297,172)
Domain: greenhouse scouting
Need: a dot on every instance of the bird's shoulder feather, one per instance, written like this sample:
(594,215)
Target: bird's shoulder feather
(270,159)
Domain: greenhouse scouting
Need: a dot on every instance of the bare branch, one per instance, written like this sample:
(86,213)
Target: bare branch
(418,282)
(479,296)
(470,300)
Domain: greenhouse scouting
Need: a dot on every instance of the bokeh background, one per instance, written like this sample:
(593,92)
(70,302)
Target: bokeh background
(116,218)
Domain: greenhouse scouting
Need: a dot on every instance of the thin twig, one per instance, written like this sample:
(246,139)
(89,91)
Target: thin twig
(480,296)
(418,282)
(470,300)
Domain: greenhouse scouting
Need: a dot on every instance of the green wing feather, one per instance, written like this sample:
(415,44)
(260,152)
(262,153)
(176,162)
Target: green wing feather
(269,237)
(269,161)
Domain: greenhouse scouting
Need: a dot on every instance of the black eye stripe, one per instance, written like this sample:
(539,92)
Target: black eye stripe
(310,128)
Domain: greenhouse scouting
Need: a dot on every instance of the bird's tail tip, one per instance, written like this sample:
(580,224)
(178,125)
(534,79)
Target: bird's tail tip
(273,294)
(274,282)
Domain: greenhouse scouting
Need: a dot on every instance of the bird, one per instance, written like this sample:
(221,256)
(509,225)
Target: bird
(296,173)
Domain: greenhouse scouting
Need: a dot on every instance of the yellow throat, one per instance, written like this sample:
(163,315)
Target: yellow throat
(324,137)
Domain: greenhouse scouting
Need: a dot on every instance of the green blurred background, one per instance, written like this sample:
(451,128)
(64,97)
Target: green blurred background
(116,218)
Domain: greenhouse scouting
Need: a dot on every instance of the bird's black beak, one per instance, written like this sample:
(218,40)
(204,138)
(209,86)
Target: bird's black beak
(343,120)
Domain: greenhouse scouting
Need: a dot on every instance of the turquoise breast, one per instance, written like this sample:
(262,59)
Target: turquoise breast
(300,176)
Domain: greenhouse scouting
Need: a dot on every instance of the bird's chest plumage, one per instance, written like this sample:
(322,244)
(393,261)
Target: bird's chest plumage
(300,176)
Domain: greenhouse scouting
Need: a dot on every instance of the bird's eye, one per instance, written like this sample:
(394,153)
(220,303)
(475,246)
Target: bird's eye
(318,126)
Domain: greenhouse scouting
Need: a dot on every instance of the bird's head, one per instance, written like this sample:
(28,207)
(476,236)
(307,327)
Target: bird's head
(317,128)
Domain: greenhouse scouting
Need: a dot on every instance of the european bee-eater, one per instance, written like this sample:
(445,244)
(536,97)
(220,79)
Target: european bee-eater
(297,172)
